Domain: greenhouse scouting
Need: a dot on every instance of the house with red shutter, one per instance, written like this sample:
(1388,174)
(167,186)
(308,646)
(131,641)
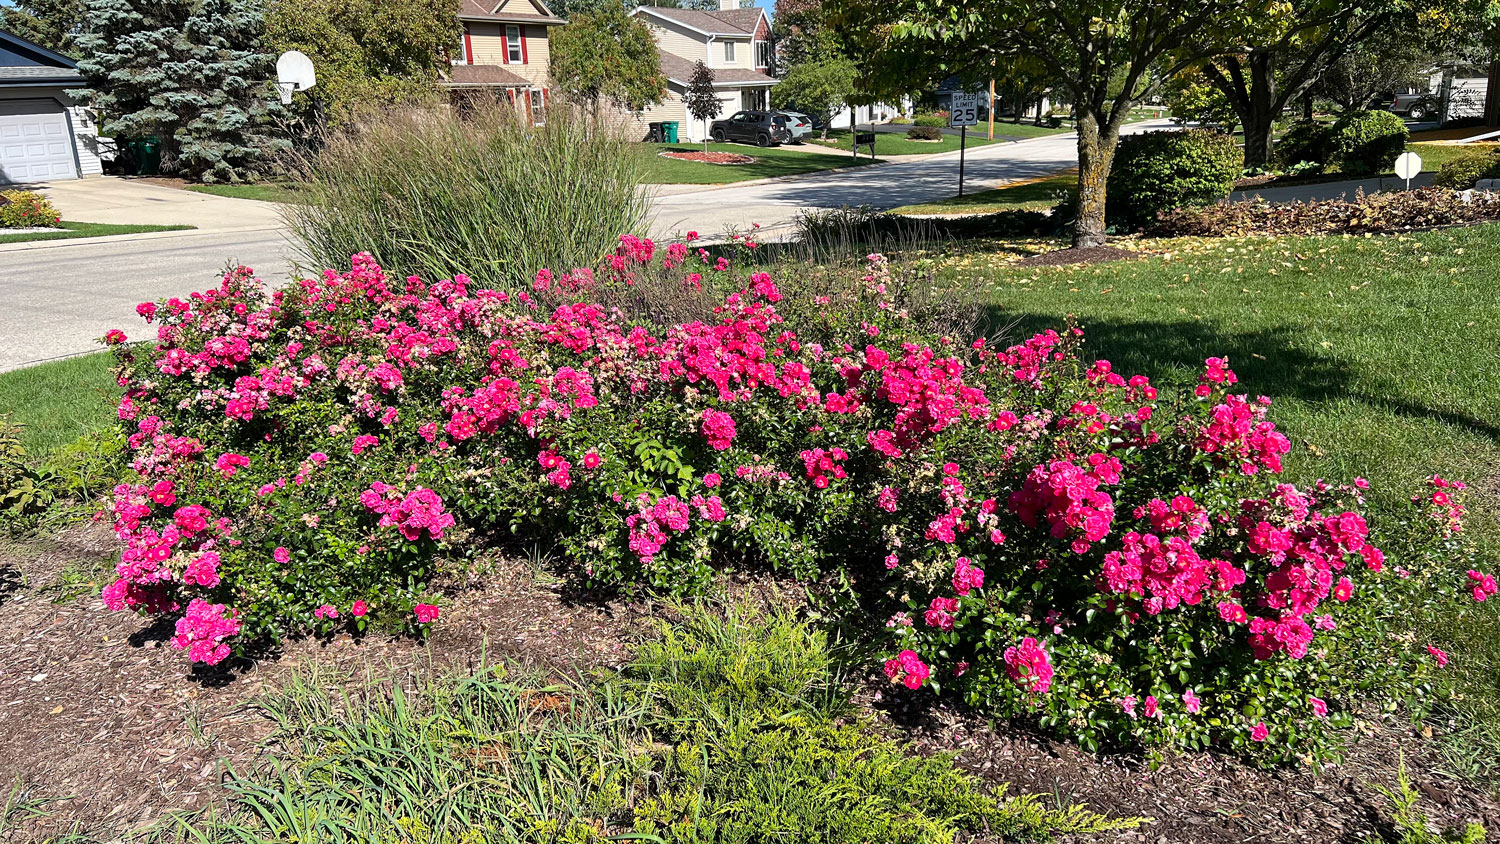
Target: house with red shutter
(734,41)
(504,54)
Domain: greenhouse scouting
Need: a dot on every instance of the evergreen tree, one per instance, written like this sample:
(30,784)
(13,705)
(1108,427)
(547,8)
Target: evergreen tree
(132,54)
(702,100)
(225,108)
(54,24)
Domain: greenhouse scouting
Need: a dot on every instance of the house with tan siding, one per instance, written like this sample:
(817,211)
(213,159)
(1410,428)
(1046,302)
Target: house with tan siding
(504,54)
(734,41)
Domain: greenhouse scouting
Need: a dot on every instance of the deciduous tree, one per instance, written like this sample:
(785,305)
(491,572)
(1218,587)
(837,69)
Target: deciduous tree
(366,52)
(701,100)
(1107,55)
(607,54)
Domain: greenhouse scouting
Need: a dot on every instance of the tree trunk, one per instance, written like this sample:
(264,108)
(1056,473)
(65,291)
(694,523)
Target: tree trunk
(1307,107)
(1096,151)
(1259,118)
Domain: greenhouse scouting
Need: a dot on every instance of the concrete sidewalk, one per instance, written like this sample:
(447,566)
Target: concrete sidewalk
(111,199)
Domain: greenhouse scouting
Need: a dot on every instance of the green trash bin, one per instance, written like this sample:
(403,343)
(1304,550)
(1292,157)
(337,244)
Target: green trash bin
(669,128)
(147,156)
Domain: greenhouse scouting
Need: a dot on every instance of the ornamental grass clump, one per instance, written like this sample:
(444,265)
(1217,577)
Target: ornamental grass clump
(1034,531)
(433,193)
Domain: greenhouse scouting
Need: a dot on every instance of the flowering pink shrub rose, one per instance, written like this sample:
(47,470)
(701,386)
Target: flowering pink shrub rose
(1068,544)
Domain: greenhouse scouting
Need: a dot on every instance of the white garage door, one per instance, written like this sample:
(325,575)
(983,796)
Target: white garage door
(35,145)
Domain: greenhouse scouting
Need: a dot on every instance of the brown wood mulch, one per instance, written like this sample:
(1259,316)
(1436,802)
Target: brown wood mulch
(96,709)
(1084,255)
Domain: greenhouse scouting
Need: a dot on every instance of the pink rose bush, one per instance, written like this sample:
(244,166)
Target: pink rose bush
(1051,536)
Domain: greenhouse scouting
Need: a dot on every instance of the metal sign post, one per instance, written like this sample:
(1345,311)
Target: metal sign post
(964,113)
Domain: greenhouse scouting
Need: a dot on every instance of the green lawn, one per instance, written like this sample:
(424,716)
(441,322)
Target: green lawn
(889,143)
(1380,354)
(263,191)
(72,230)
(1037,195)
(771,161)
(58,402)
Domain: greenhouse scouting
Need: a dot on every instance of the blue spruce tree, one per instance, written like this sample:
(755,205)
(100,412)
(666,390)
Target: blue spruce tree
(227,131)
(128,52)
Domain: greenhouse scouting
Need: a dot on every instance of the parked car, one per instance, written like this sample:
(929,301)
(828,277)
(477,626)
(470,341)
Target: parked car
(762,128)
(1411,106)
(799,124)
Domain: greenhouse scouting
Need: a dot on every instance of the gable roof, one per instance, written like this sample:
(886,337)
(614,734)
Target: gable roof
(493,10)
(680,70)
(24,63)
(737,23)
(12,44)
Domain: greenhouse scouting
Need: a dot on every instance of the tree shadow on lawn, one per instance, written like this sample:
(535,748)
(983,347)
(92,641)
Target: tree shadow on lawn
(1267,361)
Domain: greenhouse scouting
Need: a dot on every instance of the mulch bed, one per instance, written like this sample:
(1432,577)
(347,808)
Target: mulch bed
(710,157)
(97,709)
(1085,255)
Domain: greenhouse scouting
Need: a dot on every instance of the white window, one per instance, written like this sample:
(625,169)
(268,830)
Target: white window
(762,54)
(729,51)
(514,53)
(538,108)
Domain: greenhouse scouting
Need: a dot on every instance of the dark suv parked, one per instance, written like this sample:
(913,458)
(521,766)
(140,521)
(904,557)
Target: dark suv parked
(762,128)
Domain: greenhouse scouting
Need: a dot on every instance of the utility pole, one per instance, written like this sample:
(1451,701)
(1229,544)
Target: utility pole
(992,108)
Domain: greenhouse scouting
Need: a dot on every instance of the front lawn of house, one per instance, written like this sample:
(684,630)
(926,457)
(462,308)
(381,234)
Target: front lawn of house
(262,191)
(57,402)
(769,162)
(69,229)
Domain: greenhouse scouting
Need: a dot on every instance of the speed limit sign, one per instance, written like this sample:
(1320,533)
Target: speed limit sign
(965,110)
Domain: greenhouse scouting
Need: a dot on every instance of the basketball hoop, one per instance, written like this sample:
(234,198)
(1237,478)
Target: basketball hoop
(294,72)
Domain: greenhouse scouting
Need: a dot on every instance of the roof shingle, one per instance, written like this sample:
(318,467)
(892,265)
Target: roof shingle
(484,74)
(733,22)
(680,70)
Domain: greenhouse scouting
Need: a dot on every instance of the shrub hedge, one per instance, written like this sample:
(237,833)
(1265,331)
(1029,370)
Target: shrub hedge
(1045,536)
(925,133)
(1159,171)
(1367,142)
(1306,143)
(23,209)
(1378,213)
(1464,173)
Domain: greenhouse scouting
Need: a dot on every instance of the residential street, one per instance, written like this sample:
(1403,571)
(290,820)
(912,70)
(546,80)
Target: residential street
(61,296)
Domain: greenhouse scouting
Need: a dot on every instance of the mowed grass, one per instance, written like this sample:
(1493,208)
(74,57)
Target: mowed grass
(56,403)
(71,230)
(892,143)
(262,191)
(1032,194)
(1380,354)
(769,162)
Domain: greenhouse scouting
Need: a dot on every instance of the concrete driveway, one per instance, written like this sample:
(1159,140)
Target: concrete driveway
(110,199)
(60,296)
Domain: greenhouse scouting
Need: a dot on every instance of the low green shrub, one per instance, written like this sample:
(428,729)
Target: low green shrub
(728,727)
(937,119)
(1307,145)
(1367,142)
(1377,213)
(24,490)
(434,194)
(900,120)
(1160,171)
(24,209)
(1463,173)
(925,133)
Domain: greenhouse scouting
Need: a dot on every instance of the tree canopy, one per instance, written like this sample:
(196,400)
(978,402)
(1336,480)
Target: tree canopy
(607,54)
(54,24)
(1106,55)
(366,52)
